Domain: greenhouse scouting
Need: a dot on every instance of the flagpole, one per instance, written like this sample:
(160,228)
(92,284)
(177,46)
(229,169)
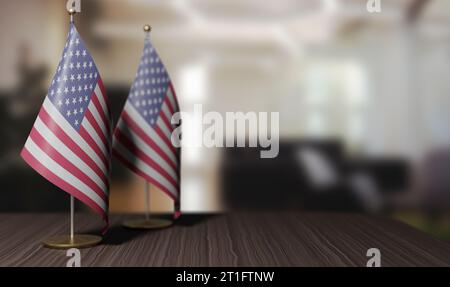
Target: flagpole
(147,200)
(71,13)
(71,216)
(147,29)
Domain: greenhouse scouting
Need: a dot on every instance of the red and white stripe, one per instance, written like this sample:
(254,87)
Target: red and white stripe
(78,162)
(147,150)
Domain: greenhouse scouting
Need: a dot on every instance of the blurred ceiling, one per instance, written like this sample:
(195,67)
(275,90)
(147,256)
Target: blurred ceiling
(251,20)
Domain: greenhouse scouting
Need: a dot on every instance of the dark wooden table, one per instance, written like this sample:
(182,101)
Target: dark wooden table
(235,239)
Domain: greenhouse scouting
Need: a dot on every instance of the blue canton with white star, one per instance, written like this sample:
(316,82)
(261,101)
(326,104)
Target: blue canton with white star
(74,81)
(150,85)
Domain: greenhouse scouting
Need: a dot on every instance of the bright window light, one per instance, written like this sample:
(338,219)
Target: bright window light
(193,80)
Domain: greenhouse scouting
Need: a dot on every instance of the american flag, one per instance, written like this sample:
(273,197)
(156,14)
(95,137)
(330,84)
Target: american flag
(142,137)
(70,142)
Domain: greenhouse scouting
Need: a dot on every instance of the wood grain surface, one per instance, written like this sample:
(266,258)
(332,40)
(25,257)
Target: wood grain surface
(233,239)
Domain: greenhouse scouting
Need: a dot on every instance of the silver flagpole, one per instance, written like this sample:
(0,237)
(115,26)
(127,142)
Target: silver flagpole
(147,30)
(71,13)
(72,207)
(147,200)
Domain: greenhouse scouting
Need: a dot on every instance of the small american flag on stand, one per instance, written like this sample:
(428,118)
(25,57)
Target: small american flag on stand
(70,142)
(142,137)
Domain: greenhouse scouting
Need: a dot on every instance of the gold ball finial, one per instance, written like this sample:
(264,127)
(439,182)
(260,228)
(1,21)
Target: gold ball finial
(147,28)
(72,11)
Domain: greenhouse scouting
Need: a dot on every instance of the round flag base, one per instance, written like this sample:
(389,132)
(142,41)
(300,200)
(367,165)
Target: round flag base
(154,223)
(77,241)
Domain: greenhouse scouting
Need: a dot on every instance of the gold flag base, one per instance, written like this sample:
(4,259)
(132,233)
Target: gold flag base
(153,223)
(78,241)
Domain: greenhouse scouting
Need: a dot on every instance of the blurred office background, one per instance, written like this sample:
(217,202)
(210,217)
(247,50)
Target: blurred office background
(364,100)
